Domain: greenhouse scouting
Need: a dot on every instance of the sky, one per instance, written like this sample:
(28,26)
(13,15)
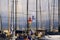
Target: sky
(21,9)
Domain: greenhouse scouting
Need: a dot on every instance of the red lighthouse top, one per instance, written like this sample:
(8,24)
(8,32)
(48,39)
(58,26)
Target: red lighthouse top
(29,20)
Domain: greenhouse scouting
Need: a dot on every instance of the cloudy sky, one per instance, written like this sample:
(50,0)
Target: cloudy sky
(21,9)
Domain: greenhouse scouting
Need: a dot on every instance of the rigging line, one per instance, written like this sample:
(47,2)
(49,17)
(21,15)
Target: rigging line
(37,11)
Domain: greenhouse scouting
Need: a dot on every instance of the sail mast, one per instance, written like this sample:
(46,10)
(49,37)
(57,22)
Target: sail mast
(1,27)
(53,12)
(40,13)
(8,16)
(36,15)
(27,18)
(16,14)
(49,16)
(1,22)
